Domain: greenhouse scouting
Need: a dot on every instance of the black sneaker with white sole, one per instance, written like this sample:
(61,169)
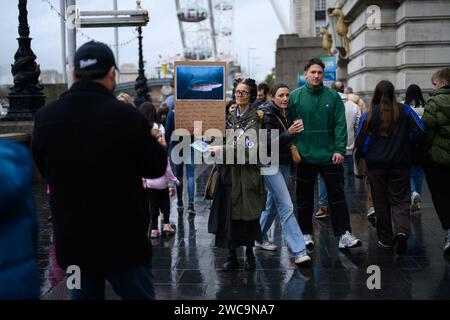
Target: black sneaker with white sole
(385,245)
(400,241)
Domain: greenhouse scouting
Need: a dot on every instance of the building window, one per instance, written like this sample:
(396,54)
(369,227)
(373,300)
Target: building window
(320,5)
(319,24)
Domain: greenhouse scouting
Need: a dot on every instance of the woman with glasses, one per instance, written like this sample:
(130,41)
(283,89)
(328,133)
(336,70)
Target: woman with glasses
(240,196)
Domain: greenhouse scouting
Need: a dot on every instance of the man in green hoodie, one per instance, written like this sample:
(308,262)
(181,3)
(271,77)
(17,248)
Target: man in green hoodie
(322,145)
(436,118)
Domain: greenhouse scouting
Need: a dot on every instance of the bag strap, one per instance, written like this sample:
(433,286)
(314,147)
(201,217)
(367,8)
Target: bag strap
(281,122)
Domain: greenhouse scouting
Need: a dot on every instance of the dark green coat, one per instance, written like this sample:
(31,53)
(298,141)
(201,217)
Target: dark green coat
(248,195)
(436,118)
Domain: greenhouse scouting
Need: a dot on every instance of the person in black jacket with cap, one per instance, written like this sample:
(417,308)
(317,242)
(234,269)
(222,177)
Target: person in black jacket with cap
(94,151)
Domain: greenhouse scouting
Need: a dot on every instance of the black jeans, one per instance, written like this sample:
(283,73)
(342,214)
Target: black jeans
(334,181)
(438,177)
(391,192)
(159,200)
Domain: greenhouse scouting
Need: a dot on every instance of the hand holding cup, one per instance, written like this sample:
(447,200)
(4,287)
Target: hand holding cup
(296,127)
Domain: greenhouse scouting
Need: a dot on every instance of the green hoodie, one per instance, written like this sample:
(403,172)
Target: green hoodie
(323,114)
(436,118)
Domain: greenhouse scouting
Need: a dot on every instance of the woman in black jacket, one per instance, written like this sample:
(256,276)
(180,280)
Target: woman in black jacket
(384,138)
(278,198)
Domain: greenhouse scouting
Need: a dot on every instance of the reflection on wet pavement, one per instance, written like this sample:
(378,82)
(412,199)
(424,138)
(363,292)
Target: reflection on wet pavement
(187,266)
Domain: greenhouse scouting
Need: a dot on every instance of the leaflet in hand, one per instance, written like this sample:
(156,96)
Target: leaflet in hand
(200,145)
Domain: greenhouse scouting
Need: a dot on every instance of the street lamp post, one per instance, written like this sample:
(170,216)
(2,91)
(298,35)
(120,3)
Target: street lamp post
(142,94)
(26,95)
(248,60)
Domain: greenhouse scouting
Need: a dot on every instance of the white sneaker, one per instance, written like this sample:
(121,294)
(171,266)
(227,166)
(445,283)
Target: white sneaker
(302,258)
(347,240)
(370,212)
(415,199)
(266,245)
(309,243)
(447,243)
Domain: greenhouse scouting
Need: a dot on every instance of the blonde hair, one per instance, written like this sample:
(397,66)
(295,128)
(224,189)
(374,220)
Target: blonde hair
(126,98)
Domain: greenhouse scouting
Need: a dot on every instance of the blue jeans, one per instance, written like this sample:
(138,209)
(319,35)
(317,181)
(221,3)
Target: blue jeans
(323,197)
(278,198)
(190,170)
(416,179)
(133,284)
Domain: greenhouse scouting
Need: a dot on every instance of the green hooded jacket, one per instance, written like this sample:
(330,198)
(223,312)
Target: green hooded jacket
(436,118)
(323,114)
(248,195)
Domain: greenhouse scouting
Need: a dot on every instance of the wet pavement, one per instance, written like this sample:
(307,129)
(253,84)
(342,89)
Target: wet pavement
(188,266)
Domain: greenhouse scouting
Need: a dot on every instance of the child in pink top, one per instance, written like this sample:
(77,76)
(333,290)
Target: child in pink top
(158,193)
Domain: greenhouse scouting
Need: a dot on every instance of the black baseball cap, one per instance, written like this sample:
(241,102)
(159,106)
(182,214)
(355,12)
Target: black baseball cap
(94,55)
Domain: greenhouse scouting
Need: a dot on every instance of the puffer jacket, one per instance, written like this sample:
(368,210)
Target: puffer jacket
(19,276)
(271,121)
(436,118)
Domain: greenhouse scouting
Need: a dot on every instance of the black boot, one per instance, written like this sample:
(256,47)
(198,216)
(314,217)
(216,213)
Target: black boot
(232,262)
(250,262)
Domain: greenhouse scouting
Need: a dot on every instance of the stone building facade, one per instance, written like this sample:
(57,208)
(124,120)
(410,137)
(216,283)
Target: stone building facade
(403,41)
(294,50)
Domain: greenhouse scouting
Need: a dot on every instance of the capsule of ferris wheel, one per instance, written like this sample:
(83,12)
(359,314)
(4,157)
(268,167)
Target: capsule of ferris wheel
(198,53)
(192,14)
(224,6)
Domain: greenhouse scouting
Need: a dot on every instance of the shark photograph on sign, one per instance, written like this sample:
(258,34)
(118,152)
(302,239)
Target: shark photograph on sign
(200,82)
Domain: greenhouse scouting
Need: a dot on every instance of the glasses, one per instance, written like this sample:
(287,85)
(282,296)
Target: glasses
(242,94)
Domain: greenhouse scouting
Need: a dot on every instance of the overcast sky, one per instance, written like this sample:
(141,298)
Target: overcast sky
(255,26)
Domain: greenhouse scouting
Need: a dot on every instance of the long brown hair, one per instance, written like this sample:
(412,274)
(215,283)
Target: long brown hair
(384,96)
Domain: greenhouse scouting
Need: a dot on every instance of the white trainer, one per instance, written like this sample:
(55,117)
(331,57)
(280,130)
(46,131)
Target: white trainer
(302,258)
(447,243)
(370,212)
(415,199)
(347,240)
(266,245)
(309,243)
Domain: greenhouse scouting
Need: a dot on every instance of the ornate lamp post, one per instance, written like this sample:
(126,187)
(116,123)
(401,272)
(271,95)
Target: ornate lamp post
(142,94)
(26,95)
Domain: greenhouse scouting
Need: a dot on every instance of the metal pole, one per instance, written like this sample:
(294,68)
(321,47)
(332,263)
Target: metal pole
(71,38)
(248,61)
(116,40)
(180,25)
(142,94)
(62,9)
(26,95)
(213,29)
